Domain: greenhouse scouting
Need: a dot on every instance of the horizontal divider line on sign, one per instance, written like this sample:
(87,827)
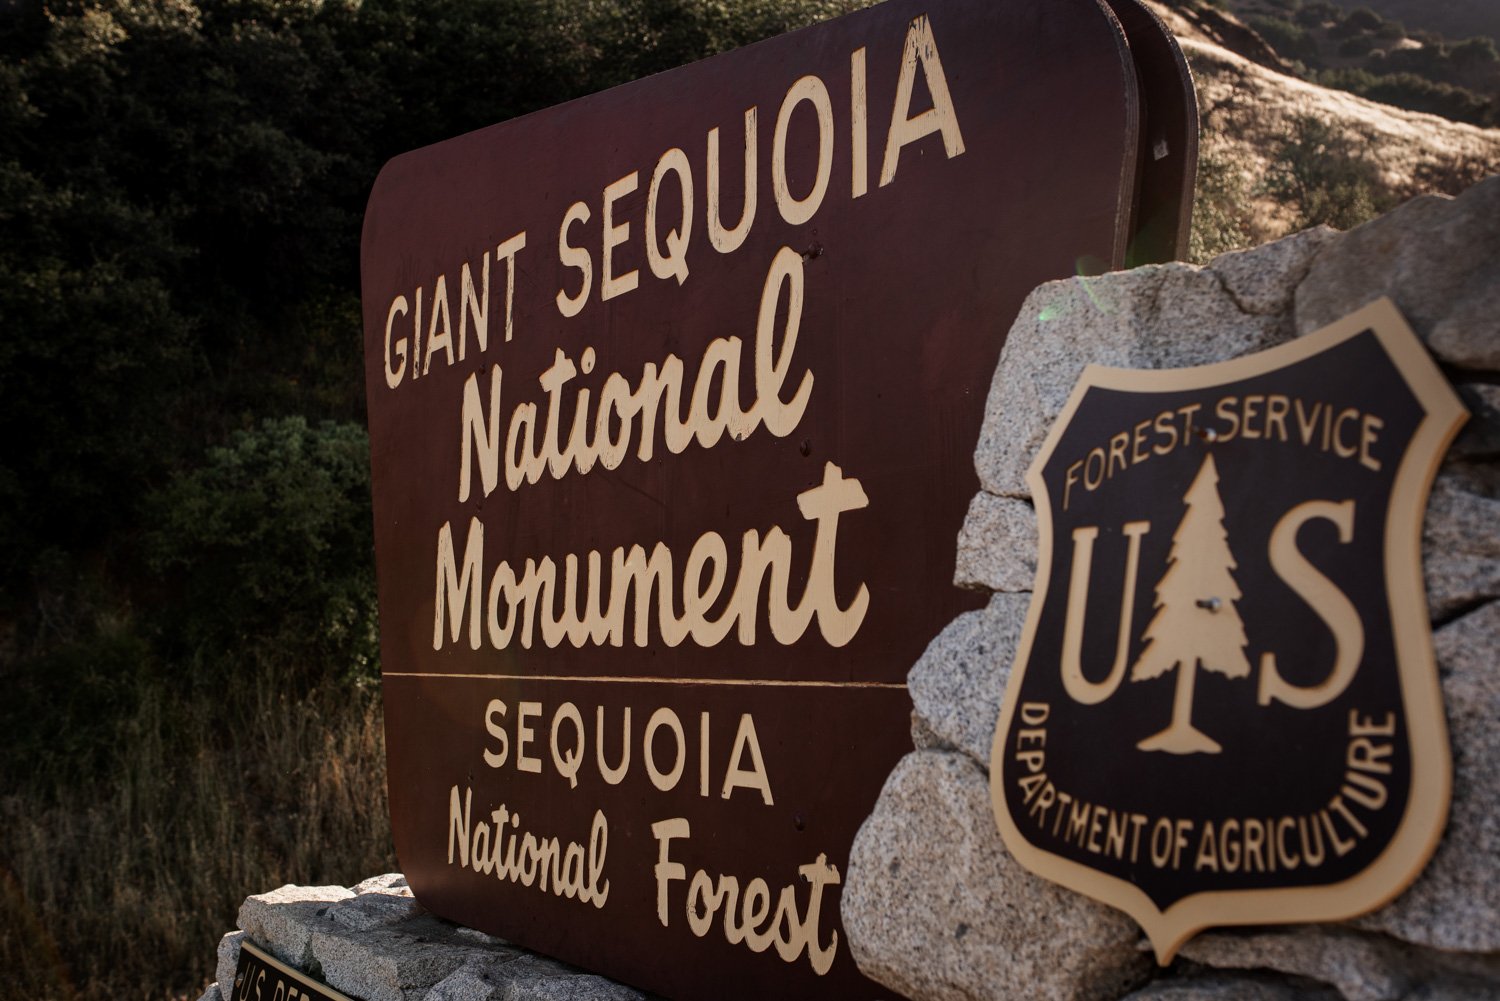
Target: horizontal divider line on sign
(769,682)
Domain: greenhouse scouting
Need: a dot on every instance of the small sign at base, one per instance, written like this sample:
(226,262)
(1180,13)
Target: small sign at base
(259,976)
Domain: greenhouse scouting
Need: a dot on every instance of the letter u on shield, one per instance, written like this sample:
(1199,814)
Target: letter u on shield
(1081,689)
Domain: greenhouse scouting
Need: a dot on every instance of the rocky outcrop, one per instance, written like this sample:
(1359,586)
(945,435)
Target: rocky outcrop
(935,907)
(1222,29)
(1251,105)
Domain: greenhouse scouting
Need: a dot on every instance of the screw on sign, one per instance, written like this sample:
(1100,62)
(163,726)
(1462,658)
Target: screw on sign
(1268,510)
(673,392)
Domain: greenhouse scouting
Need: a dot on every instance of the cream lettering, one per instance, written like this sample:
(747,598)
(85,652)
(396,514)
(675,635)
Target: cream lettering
(543,603)
(793,927)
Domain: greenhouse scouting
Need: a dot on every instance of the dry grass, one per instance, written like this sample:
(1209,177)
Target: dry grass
(122,884)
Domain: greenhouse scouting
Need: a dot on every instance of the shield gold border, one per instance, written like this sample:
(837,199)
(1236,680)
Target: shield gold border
(1422,824)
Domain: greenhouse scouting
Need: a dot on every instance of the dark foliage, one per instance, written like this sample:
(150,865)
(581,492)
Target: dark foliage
(1474,53)
(1366,53)
(1361,20)
(1289,39)
(1328,175)
(181,188)
(1415,93)
(1317,13)
(264,549)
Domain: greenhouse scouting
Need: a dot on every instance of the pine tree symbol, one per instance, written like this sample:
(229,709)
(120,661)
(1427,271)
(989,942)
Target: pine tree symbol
(1196,623)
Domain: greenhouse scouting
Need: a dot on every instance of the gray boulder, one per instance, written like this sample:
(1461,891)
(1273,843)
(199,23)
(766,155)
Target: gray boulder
(1151,317)
(1361,967)
(283,921)
(1437,257)
(997,545)
(229,960)
(935,907)
(957,684)
(375,942)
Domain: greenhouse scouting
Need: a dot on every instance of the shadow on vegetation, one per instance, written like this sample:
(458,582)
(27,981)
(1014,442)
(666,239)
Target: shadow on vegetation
(119,879)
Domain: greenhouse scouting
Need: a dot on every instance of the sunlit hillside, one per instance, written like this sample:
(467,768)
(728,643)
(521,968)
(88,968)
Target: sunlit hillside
(1280,152)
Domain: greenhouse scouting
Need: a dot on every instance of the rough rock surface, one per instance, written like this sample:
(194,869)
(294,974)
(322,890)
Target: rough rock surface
(1455,905)
(1224,987)
(229,957)
(1214,986)
(1461,549)
(1437,257)
(1151,317)
(928,861)
(1363,968)
(956,685)
(1001,931)
(374,942)
(374,909)
(282,920)
(997,545)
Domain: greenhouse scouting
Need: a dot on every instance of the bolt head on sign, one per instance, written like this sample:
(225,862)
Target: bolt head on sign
(1225,708)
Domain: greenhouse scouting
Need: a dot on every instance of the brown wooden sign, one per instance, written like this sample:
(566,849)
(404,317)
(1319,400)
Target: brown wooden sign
(1224,709)
(673,396)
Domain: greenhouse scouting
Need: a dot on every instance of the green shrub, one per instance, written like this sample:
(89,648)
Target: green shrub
(1288,39)
(1318,13)
(1358,21)
(1221,206)
(1325,175)
(1414,93)
(266,549)
(1451,176)
(66,713)
(1430,61)
(1474,52)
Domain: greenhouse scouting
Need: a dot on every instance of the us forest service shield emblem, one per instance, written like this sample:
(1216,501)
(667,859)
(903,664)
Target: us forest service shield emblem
(1224,708)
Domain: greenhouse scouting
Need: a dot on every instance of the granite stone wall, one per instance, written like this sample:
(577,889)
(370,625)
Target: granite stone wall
(935,907)
(374,942)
